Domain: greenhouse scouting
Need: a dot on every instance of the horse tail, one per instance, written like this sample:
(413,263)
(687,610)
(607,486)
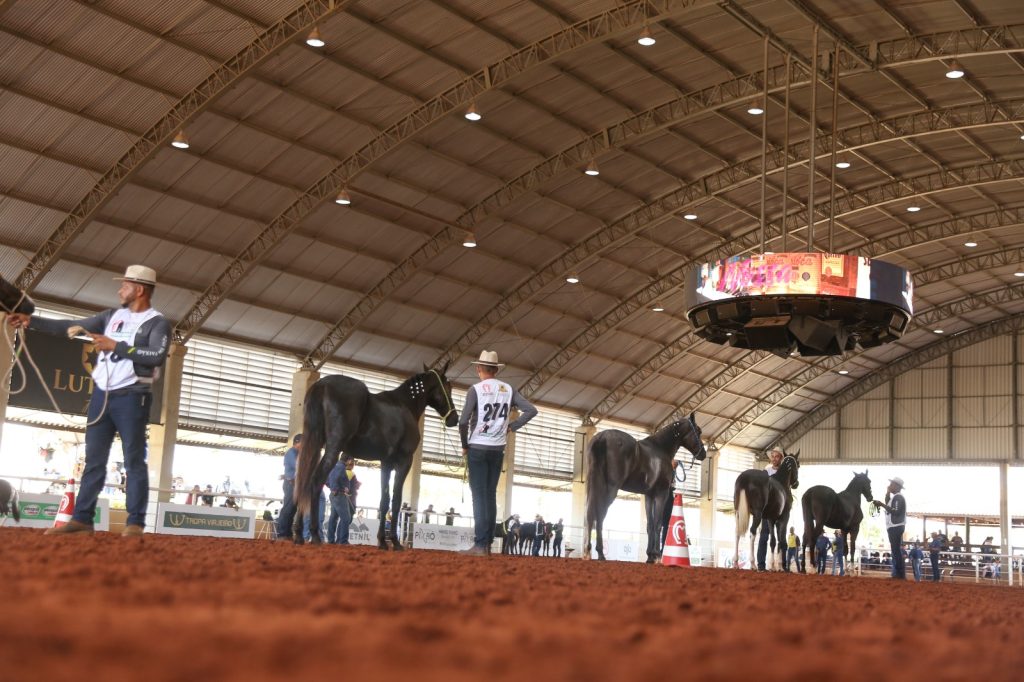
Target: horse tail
(313,438)
(742,512)
(597,476)
(15,506)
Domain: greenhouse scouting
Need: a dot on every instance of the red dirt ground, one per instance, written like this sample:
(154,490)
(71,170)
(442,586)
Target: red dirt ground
(182,608)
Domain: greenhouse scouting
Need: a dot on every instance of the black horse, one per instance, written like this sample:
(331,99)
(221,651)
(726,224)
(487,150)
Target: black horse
(824,507)
(525,534)
(343,415)
(617,461)
(758,495)
(14,300)
(9,501)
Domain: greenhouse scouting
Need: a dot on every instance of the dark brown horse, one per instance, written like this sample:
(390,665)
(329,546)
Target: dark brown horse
(758,496)
(9,502)
(617,461)
(825,507)
(14,300)
(341,415)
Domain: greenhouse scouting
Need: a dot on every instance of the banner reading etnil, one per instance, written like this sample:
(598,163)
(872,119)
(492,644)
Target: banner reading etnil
(181,519)
(67,367)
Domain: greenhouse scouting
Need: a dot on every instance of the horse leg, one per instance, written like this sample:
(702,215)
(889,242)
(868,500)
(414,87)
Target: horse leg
(401,471)
(385,502)
(653,510)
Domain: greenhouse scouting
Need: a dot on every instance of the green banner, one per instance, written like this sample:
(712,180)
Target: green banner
(46,511)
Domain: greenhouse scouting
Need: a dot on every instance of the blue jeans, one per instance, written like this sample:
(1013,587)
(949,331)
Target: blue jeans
(484,471)
(287,515)
(341,519)
(126,414)
(915,564)
(936,571)
(320,517)
(838,562)
(791,557)
(899,569)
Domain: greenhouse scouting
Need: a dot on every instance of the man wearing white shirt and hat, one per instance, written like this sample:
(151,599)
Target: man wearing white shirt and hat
(483,426)
(131,344)
(895,524)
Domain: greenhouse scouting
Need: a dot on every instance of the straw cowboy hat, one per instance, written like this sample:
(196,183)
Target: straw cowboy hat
(489,358)
(140,274)
(898,481)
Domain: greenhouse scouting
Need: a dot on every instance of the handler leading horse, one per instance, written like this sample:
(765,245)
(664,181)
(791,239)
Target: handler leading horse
(825,507)
(617,461)
(758,495)
(343,415)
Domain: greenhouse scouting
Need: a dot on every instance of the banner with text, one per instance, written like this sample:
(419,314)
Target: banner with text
(66,365)
(363,531)
(39,511)
(187,519)
(433,536)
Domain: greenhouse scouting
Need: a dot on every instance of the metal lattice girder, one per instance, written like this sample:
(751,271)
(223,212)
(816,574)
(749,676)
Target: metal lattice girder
(625,17)
(962,44)
(268,43)
(989,260)
(1012,324)
(875,132)
(884,193)
(826,364)
(685,107)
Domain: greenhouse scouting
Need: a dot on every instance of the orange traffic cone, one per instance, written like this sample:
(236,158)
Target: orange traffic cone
(676,552)
(67,505)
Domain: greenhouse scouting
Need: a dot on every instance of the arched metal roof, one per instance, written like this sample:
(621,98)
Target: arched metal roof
(250,246)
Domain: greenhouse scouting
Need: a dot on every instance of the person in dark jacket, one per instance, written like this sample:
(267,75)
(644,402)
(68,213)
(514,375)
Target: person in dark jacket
(934,549)
(821,554)
(131,344)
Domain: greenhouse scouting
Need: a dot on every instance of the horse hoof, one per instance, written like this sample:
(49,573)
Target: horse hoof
(383,546)
(314,540)
(398,547)
(298,540)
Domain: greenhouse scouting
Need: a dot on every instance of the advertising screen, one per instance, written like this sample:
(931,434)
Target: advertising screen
(796,274)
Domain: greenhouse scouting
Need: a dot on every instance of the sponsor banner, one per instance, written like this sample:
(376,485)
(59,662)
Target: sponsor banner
(39,511)
(363,531)
(66,365)
(433,536)
(622,550)
(184,519)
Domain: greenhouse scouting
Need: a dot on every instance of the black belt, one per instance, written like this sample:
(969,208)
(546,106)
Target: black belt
(140,389)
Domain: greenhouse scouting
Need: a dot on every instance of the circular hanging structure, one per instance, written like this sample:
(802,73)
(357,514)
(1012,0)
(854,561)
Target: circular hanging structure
(808,303)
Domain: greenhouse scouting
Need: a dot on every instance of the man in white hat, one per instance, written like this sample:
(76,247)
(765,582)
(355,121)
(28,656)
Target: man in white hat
(895,523)
(131,344)
(483,426)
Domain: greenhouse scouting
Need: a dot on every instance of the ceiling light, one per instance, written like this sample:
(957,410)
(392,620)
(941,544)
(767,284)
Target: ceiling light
(572,278)
(469,241)
(844,372)
(755,108)
(343,198)
(971,242)
(955,70)
(180,141)
(646,39)
(658,307)
(913,209)
(472,114)
(939,331)
(1020,271)
(314,39)
(690,216)
(842,164)
(1022,137)
(592,168)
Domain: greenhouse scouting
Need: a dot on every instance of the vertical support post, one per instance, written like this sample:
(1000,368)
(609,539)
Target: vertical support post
(708,496)
(814,137)
(162,436)
(1004,515)
(581,441)
(301,381)
(950,381)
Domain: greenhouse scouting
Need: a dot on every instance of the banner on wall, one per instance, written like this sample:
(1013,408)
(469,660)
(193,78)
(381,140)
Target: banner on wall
(39,511)
(187,519)
(66,365)
(434,536)
(363,531)
(622,550)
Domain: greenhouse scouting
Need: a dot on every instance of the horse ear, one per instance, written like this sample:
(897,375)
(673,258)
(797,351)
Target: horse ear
(425,368)
(444,370)
(693,417)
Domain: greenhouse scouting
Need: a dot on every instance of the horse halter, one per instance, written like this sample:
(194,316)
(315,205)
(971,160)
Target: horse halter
(451,408)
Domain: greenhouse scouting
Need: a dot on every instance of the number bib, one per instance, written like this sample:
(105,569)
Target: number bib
(493,403)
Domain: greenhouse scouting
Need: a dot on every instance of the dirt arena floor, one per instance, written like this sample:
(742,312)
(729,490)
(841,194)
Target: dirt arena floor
(179,608)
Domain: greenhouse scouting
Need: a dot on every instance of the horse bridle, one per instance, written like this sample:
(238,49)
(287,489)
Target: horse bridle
(451,408)
(796,464)
(693,456)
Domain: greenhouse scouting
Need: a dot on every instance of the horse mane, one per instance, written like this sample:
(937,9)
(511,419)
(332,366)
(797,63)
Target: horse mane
(666,436)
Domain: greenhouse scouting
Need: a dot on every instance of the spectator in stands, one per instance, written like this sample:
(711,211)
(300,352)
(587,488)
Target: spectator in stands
(287,515)
(957,542)
(775,459)
(821,549)
(230,502)
(839,553)
(792,549)
(895,507)
(208,496)
(343,485)
(193,497)
(916,557)
(428,514)
(934,547)
(449,517)
(557,529)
